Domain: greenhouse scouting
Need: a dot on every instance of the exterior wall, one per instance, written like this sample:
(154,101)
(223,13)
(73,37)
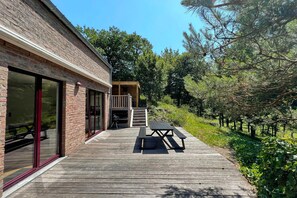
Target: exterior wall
(34,21)
(107,110)
(73,117)
(132,90)
(3,94)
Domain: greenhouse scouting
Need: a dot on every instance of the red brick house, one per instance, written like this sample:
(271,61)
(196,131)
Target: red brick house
(54,88)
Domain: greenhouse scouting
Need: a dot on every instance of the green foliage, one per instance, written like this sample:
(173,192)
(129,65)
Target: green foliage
(151,76)
(167,100)
(278,168)
(271,166)
(183,65)
(250,49)
(121,49)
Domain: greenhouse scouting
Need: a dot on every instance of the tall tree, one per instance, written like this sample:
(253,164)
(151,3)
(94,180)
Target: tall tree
(121,49)
(254,42)
(150,74)
(176,67)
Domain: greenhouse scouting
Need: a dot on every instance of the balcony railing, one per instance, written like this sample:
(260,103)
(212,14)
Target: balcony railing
(121,102)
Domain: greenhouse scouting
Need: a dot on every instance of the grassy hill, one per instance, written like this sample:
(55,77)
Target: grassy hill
(241,147)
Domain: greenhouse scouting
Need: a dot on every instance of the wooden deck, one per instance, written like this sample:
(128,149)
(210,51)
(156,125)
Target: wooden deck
(113,166)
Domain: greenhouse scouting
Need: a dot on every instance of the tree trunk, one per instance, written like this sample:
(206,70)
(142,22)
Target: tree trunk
(220,120)
(241,123)
(234,124)
(200,108)
(284,128)
(275,129)
(227,122)
(249,126)
(253,132)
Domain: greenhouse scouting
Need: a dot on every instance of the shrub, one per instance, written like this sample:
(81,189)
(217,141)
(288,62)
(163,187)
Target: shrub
(278,168)
(167,100)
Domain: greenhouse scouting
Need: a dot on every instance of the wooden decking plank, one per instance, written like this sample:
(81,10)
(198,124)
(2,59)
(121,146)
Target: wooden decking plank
(131,186)
(87,195)
(113,166)
(147,191)
(142,172)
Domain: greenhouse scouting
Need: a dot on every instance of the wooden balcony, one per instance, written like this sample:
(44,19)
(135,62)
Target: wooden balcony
(123,104)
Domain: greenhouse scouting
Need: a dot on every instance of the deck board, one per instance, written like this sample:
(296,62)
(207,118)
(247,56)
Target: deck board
(112,165)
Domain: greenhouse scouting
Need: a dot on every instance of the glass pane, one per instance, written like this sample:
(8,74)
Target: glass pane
(92,111)
(87,114)
(19,140)
(49,138)
(98,111)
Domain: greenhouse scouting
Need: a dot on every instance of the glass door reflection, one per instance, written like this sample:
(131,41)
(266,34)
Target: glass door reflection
(19,136)
(94,112)
(32,124)
(49,138)
(98,117)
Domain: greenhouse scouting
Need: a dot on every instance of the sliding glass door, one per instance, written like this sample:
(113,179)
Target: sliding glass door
(20,125)
(94,112)
(32,124)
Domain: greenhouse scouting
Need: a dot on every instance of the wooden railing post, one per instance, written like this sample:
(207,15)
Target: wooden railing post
(129,101)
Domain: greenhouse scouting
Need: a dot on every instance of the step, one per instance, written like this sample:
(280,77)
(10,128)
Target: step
(139,109)
(139,121)
(138,125)
(139,112)
(139,118)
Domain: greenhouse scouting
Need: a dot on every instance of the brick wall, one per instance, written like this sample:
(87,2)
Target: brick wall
(3,94)
(75,117)
(74,101)
(34,21)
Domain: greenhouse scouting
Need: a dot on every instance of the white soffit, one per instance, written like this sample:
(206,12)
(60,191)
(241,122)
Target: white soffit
(28,45)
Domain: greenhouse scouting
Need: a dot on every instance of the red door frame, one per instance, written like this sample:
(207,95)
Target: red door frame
(38,113)
(90,134)
(37,165)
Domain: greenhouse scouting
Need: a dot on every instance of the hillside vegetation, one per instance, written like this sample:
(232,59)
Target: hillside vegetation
(268,163)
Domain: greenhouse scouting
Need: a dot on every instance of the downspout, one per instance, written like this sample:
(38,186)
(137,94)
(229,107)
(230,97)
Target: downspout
(110,99)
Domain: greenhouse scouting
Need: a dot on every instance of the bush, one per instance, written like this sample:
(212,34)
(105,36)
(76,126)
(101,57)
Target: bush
(167,100)
(278,168)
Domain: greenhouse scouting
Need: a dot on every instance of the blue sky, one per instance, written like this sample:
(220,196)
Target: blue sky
(162,22)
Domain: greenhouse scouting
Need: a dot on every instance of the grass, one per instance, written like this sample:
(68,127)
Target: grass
(204,129)
(269,163)
(244,147)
